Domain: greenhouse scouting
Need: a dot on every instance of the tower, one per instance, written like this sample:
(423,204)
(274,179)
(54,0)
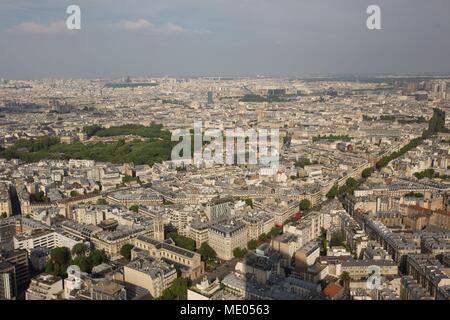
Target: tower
(158,228)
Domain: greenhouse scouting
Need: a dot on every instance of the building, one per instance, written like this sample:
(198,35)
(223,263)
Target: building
(44,287)
(45,238)
(153,275)
(205,290)
(19,259)
(188,263)
(7,232)
(225,237)
(8,287)
(5,201)
(306,256)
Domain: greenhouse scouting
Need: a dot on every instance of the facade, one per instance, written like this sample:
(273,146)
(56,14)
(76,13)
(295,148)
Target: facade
(44,287)
(153,275)
(187,262)
(226,237)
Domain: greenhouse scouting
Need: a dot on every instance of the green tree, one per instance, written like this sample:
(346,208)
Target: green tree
(59,261)
(239,253)
(83,263)
(101,201)
(207,252)
(366,173)
(79,249)
(74,193)
(97,257)
(182,241)
(135,208)
(345,276)
(275,231)
(305,204)
(4,215)
(249,202)
(179,288)
(252,244)
(125,251)
(333,192)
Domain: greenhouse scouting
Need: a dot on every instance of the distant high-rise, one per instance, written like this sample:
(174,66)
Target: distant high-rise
(210,97)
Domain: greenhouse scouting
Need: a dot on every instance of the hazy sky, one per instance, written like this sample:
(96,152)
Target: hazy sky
(221,37)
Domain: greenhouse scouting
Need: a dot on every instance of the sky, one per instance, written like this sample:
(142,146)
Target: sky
(221,38)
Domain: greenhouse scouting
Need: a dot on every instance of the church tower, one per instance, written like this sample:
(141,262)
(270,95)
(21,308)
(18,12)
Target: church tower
(158,228)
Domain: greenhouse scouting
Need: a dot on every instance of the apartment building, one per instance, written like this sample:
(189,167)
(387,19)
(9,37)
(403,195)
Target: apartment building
(225,237)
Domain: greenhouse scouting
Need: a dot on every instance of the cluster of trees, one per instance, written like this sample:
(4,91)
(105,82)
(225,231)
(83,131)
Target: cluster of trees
(411,145)
(302,162)
(39,197)
(155,149)
(61,258)
(332,138)
(349,187)
(176,291)
(435,125)
(207,253)
(366,173)
(128,179)
(275,231)
(154,131)
(134,208)
(428,173)
(414,194)
(338,239)
(258,98)
(102,201)
(182,241)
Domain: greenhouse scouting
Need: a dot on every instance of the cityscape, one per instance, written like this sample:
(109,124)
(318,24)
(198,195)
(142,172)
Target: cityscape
(264,187)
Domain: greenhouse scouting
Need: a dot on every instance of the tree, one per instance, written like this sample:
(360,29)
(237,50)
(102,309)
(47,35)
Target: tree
(239,253)
(125,251)
(101,201)
(97,257)
(59,261)
(249,202)
(207,252)
(305,204)
(275,231)
(252,245)
(333,192)
(179,288)
(345,276)
(366,173)
(74,193)
(182,241)
(79,249)
(337,239)
(167,295)
(4,215)
(83,263)
(135,208)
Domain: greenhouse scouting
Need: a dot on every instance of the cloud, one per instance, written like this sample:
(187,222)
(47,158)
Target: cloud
(145,26)
(56,27)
